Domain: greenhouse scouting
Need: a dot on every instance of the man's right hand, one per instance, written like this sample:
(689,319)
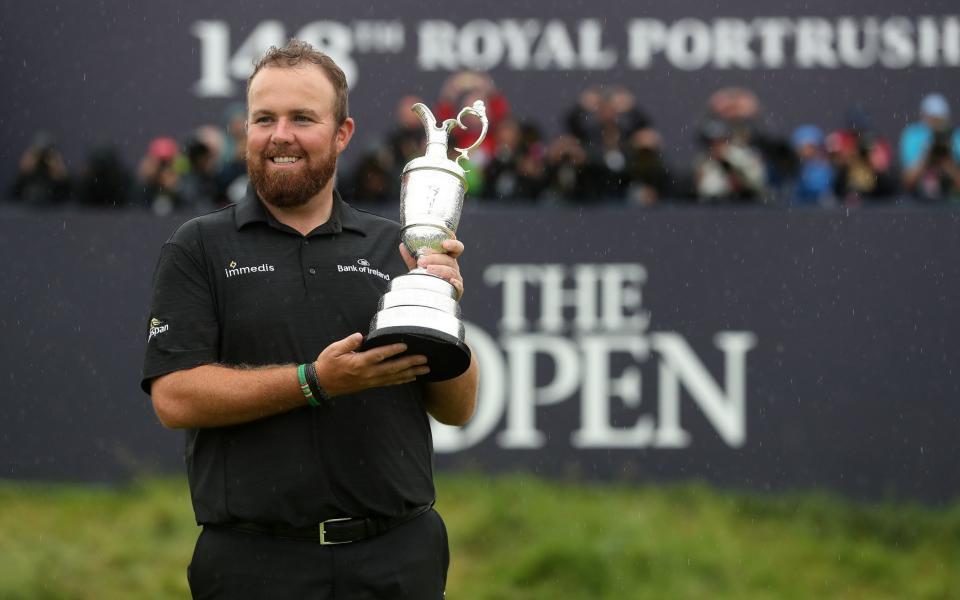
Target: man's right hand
(342,370)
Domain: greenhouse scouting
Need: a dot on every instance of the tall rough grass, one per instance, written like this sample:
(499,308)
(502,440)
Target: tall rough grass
(520,537)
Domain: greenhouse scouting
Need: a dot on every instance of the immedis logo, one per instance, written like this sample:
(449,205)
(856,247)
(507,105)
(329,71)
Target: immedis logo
(233,270)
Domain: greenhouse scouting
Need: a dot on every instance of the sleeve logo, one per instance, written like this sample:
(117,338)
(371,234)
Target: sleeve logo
(156,328)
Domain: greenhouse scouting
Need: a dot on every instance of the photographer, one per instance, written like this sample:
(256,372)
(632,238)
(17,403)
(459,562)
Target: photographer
(159,178)
(930,153)
(42,178)
(729,171)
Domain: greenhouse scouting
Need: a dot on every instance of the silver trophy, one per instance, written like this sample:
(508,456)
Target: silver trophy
(420,309)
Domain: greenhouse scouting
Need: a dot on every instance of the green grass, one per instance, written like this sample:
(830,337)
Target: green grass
(520,538)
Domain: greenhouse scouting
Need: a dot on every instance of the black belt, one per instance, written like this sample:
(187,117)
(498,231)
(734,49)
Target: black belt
(331,531)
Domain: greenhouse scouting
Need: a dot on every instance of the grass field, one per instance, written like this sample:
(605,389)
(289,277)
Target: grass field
(520,538)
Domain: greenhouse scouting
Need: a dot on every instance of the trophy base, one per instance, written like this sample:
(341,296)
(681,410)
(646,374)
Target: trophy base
(447,356)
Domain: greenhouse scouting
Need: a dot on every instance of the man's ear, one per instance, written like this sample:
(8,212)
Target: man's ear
(344,133)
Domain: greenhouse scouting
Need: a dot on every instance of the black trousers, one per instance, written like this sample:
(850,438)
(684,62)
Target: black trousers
(409,561)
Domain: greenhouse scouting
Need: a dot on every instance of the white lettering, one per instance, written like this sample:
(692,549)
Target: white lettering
(773,34)
(732,44)
(157,330)
(264,35)
(378,36)
(596,359)
(951,42)
(555,48)
(264,268)
(815,44)
(618,285)
(621,308)
(928,42)
(525,396)
(519,38)
(592,53)
(214,53)
(898,44)
(646,37)
(437,40)
(688,45)
(336,40)
(483,45)
(553,297)
(725,411)
(490,401)
(513,278)
(480,45)
(849,49)
(510,387)
(599,387)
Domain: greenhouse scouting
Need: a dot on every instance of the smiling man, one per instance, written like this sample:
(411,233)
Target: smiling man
(309,461)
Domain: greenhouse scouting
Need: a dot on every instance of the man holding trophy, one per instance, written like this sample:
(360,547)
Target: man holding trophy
(308,446)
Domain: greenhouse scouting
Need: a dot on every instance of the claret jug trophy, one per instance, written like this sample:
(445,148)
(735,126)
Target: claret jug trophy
(420,309)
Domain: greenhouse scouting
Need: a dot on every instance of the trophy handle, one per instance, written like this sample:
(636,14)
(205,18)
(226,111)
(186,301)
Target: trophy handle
(479,110)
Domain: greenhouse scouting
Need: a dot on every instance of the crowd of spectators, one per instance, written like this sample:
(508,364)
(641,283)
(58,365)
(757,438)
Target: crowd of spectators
(609,151)
(202,173)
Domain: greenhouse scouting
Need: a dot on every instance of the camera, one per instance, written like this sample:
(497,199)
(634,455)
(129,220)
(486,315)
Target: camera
(940,146)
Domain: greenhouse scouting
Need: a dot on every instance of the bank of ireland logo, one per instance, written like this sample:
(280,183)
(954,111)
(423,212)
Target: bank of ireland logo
(363,266)
(156,328)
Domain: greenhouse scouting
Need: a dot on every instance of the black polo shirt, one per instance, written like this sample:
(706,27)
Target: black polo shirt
(237,287)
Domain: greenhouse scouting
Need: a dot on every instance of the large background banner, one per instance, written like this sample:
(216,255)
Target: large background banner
(126,72)
(755,349)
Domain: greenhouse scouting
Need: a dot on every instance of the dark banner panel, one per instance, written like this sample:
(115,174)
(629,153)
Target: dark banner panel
(127,72)
(756,349)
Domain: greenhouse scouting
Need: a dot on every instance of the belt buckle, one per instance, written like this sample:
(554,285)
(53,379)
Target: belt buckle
(323,533)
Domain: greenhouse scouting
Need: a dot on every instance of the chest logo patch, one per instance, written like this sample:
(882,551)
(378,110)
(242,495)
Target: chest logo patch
(233,270)
(363,266)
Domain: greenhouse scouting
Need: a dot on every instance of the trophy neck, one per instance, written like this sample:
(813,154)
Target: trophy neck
(436,150)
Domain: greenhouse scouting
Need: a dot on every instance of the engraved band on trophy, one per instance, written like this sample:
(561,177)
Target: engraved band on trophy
(420,309)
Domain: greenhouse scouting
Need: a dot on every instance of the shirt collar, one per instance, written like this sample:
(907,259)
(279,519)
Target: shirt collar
(343,216)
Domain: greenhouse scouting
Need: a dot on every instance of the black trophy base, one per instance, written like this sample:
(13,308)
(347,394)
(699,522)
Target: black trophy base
(446,355)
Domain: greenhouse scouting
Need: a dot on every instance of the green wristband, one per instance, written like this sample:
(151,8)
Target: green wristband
(305,387)
(319,394)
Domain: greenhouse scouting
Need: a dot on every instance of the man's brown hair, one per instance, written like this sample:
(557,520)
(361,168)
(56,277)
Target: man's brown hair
(296,52)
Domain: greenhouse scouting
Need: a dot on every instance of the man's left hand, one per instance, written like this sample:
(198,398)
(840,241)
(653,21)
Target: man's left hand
(442,265)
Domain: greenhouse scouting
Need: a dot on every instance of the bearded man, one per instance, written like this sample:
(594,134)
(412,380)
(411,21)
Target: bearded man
(309,461)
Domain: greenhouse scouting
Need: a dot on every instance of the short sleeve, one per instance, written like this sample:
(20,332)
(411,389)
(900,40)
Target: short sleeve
(183,331)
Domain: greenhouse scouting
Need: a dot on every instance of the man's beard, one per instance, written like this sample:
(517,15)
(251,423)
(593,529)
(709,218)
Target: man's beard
(284,189)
